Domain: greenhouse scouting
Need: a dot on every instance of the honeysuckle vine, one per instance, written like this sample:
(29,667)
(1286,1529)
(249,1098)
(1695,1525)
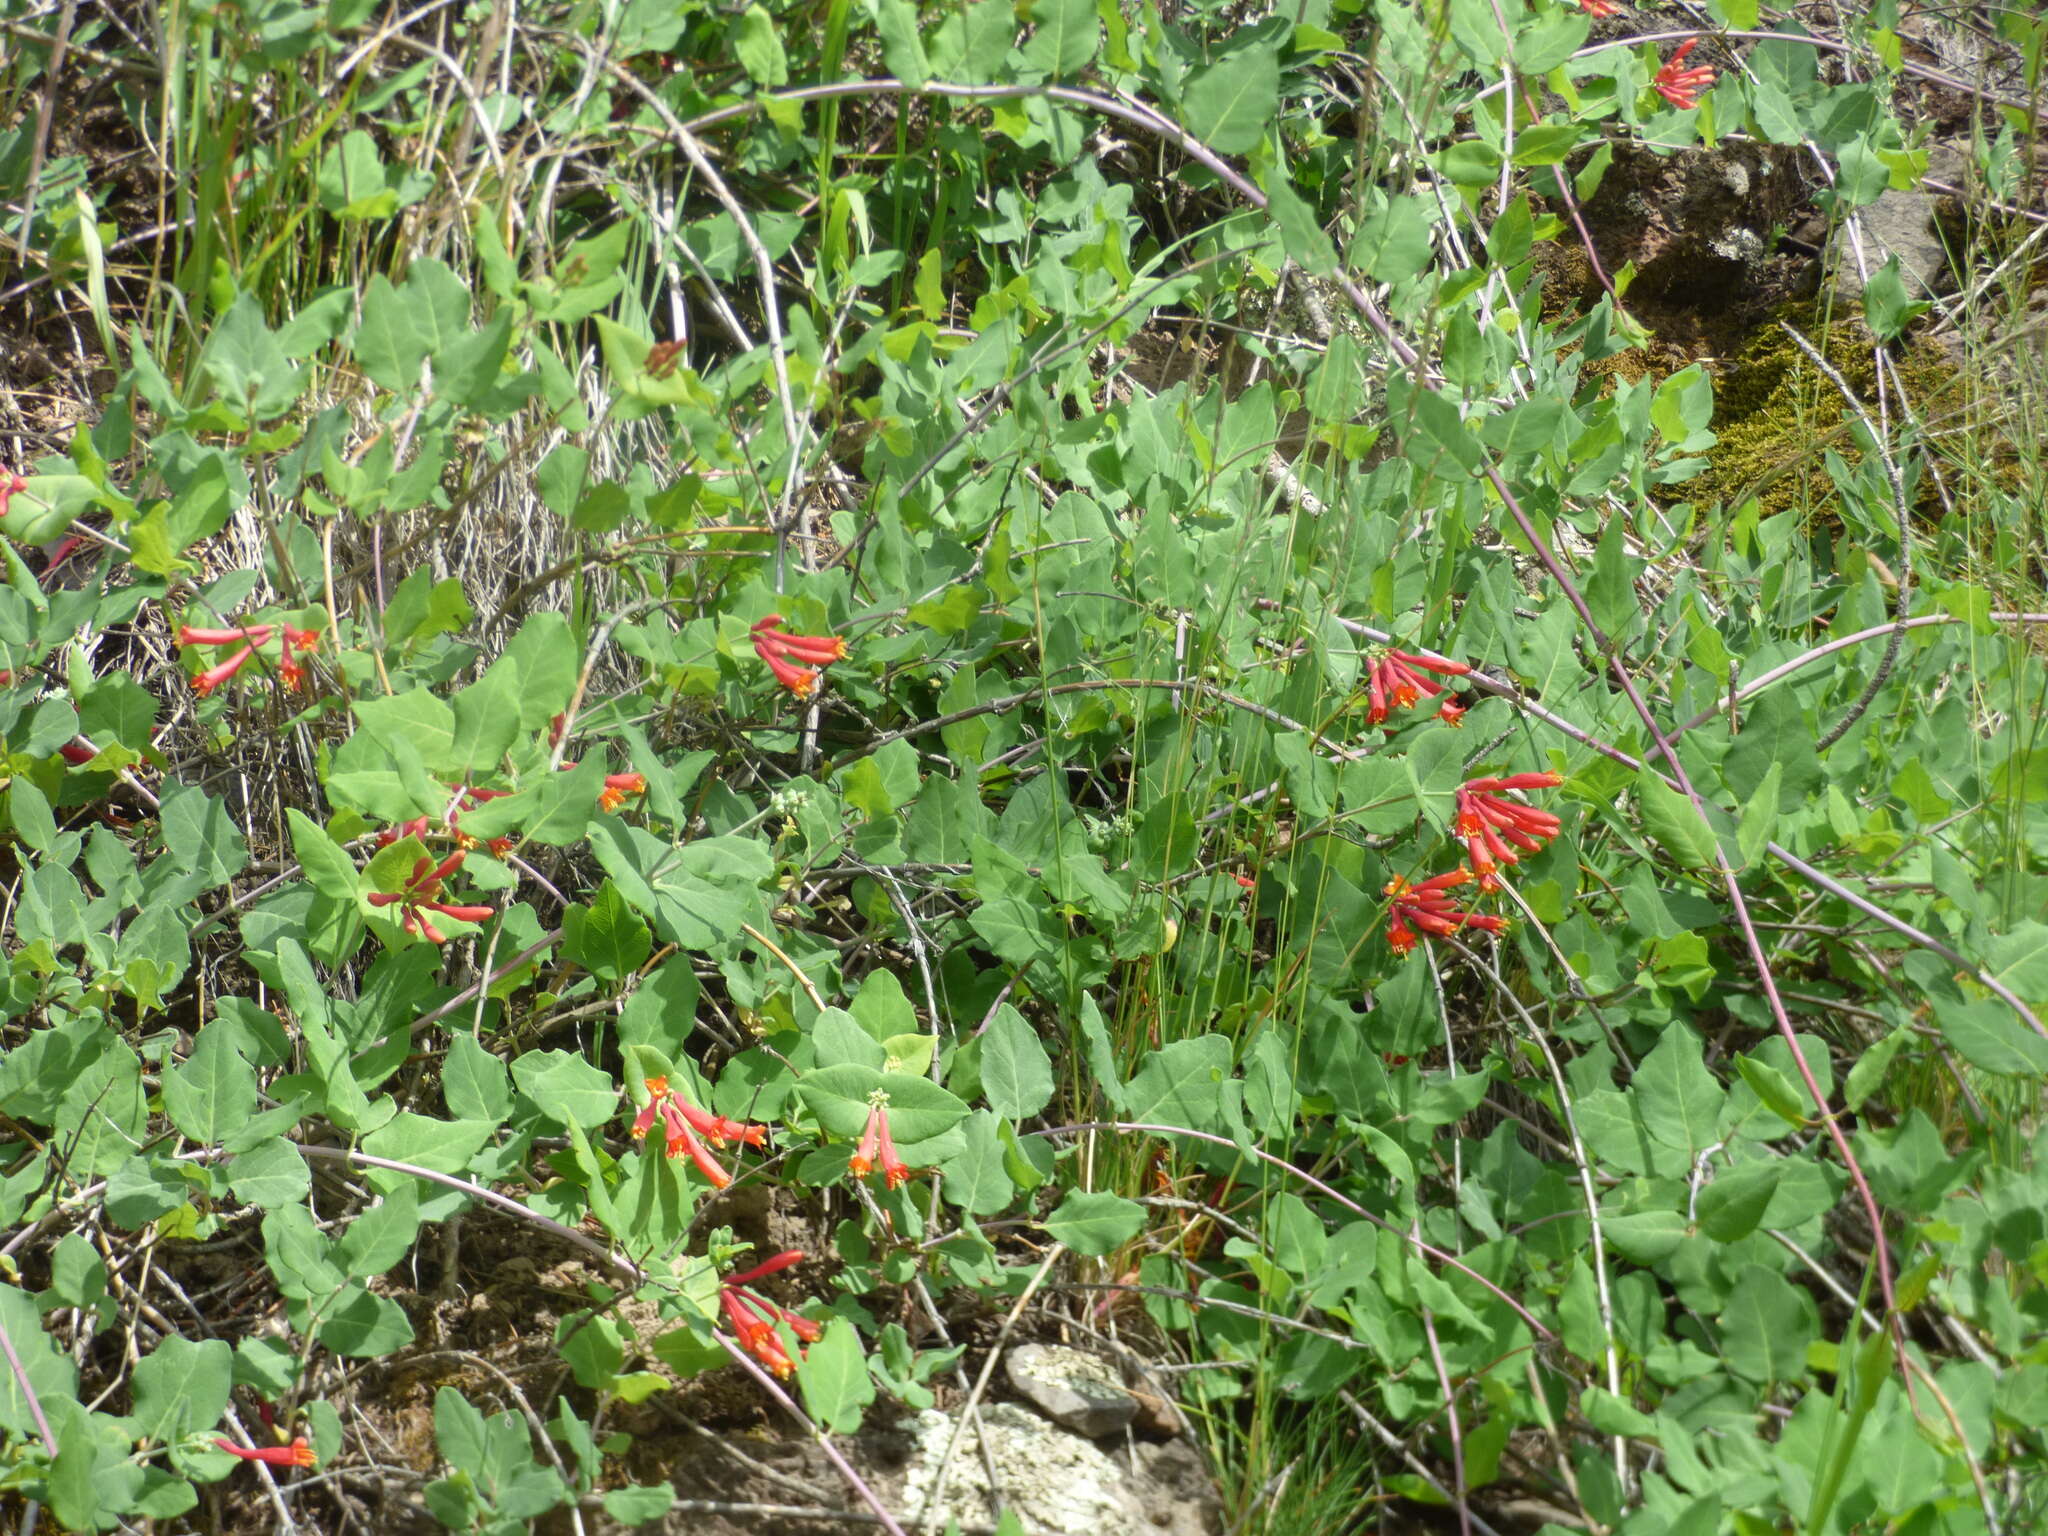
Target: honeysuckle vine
(1056,839)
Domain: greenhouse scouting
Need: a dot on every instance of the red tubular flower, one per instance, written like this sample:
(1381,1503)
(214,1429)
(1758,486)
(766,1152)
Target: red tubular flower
(681,1139)
(877,1147)
(1427,906)
(1398,677)
(422,894)
(657,1090)
(863,1160)
(1451,712)
(801,681)
(736,1284)
(289,672)
(684,1122)
(78,751)
(717,1129)
(297,1454)
(461,914)
(205,682)
(255,634)
(9,484)
(757,1335)
(1682,87)
(774,1266)
(1599,7)
(673,1107)
(617,786)
(776,648)
(893,1170)
(1498,831)
(417,827)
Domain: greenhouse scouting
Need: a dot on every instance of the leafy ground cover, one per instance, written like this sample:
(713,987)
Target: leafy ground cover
(710,713)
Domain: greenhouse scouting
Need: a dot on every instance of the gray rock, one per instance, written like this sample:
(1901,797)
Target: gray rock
(1054,1481)
(1898,224)
(1075,1390)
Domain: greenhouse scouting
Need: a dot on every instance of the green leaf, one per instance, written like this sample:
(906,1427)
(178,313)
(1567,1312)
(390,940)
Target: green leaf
(487,718)
(606,938)
(636,1504)
(383,1235)
(243,361)
(48,1372)
(567,1088)
(353,182)
(1672,819)
(1871,1066)
(402,327)
(1759,824)
(757,44)
(331,871)
(1766,1326)
(1676,1095)
(211,1091)
(201,835)
(414,719)
(1301,233)
(1015,930)
(1647,1237)
(1886,307)
(474,1083)
(1064,37)
(270,1174)
(903,52)
(1990,1036)
(919,1108)
(1437,418)
(834,1376)
(1612,1415)
(1016,1074)
(1093,1224)
(2019,959)
(363,1326)
(1777,1091)
(1682,408)
(1611,585)
(878,784)
(181,1387)
(1393,242)
(975,1178)
(1228,105)
(1181,1084)
(1734,1203)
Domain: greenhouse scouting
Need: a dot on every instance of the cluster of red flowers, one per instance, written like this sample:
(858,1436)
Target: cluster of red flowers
(1427,906)
(684,1123)
(878,1148)
(1495,831)
(753,1316)
(778,649)
(1680,86)
(422,894)
(1498,831)
(617,786)
(1401,678)
(248,638)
